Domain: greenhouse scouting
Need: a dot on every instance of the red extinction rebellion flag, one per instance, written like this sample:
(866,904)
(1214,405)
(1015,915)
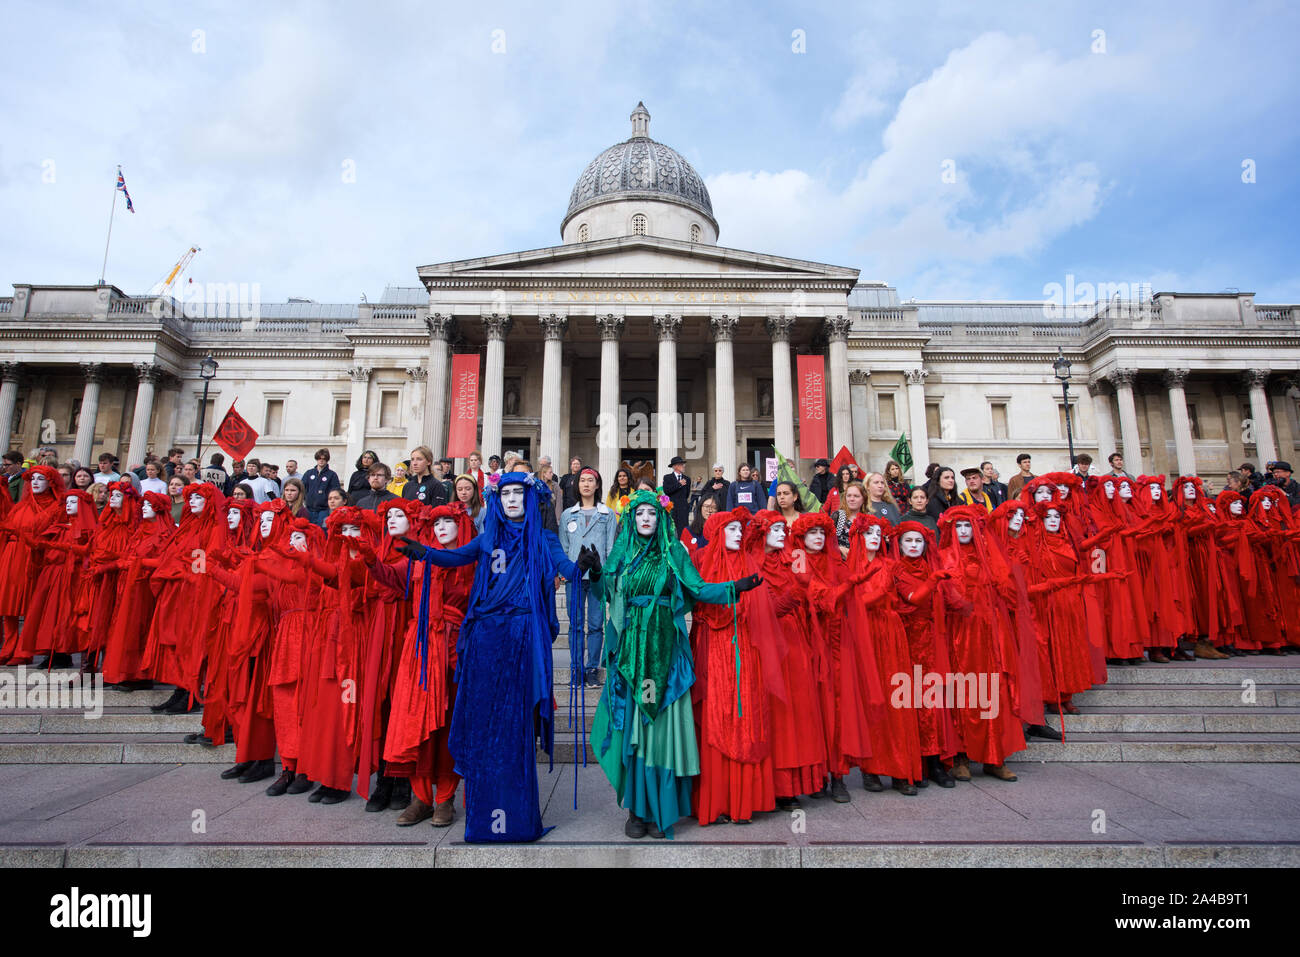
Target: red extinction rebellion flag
(235,436)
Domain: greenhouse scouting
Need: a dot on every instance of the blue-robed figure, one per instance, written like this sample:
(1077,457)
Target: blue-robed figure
(504,670)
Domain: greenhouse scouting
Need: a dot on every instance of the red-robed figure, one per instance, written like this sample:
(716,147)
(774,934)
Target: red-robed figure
(42,493)
(55,622)
(124,654)
(109,553)
(1162,557)
(1213,601)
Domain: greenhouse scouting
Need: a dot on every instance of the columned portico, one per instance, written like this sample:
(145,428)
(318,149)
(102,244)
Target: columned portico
(778,327)
(553,327)
(607,425)
(10,373)
(724,404)
(667,326)
(496,326)
(1128,423)
(1183,448)
(1256,380)
(149,373)
(439,325)
(1101,414)
(837,332)
(920,434)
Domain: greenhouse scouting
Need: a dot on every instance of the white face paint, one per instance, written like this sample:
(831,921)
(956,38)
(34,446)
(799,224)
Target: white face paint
(232,518)
(1016,520)
(912,544)
(1212,507)
(512,501)
(872,538)
(1267,504)
(1155,493)
(115,499)
(815,539)
(265,522)
(1189,491)
(444,530)
(1052,521)
(1064,490)
(146,510)
(965,532)
(1237,507)
(298,540)
(397,522)
(1125,491)
(351,531)
(71,505)
(647,520)
(776,535)
(731,536)
(1110,489)
(1042,493)
(39,483)
(197,502)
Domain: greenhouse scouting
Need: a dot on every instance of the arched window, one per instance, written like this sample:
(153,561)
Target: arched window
(584,233)
(695,232)
(638,224)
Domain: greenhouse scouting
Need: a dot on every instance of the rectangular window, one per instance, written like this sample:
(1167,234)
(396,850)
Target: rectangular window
(999,410)
(1061,425)
(342,413)
(207,415)
(274,417)
(933,421)
(885,408)
(1194,420)
(388,412)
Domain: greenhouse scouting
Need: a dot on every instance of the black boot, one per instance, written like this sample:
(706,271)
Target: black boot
(1042,731)
(401,798)
(635,827)
(182,704)
(937,773)
(281,784)
(903,786)
(839,793)
(260,771)
(177,696)
(381,795)
(335,796)
(231,773)
(300,785)
(871,782)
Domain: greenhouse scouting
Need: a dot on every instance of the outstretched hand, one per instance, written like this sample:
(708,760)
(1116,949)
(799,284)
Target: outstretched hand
(748,582)
(411,548)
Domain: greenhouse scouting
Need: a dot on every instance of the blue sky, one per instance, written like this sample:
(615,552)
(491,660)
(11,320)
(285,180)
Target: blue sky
(1113,156)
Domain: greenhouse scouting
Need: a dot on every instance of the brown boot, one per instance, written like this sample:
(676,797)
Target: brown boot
(999,771)
(961,769)
(415,812)
(445,813)
(1206,650)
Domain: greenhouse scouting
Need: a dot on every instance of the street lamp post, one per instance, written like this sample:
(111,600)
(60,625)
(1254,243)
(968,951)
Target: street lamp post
(207,371)
(1062,369)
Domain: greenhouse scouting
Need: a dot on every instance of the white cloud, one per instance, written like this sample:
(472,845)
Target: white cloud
(866,93)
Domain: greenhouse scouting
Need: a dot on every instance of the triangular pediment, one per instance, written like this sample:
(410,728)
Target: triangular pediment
(638,256)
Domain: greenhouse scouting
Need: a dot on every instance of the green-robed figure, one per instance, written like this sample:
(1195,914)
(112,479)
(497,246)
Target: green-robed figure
(644,729)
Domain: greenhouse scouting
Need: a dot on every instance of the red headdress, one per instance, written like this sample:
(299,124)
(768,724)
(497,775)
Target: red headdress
(129,513)
(419,516)
(858,548)
(456,512)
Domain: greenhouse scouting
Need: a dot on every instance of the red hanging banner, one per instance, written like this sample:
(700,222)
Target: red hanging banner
(235,436)
(812,407)
(463,431)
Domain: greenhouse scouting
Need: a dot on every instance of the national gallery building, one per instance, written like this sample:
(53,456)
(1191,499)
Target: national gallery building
(639,337)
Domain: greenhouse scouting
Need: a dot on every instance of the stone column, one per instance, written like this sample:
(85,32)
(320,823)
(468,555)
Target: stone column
(149,374)
(83,446)
(778,327)
(436,390)
(416,432)
(920,433)
(860,411)
(1123,380)
(9,375)
(837,333)
(724,392)
(355,430)
(553,327)
(496,325)
(1256,380)
(608,427)
(667,326)
(1105,425)
(1183,448)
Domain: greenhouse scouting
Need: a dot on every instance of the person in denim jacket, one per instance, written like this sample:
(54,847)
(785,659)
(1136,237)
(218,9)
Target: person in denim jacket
(590,522)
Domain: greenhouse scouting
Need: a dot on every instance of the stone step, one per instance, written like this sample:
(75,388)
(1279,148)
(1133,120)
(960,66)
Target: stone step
(1263,670)
(1242,720)
(1148,747)
(1187,696)
(141,721)
(121,749)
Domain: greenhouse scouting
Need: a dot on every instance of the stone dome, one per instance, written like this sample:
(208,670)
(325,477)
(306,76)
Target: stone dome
(640,168)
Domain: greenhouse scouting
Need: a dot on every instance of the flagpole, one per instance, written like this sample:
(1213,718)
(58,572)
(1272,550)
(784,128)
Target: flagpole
(103,270)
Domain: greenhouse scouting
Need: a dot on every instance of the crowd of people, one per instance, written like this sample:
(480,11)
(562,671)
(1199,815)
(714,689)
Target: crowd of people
(756,643)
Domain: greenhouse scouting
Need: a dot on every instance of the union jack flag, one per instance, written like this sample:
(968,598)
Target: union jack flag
(121,184)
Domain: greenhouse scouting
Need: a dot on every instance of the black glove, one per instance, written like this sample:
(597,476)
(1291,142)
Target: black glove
(748,582)
(410,548)
(589,562)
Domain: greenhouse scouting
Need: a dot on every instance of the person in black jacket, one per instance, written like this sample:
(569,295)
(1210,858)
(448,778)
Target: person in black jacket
(1283,480)
(376,493)
(569,484)
(421,484)
(716,487)
(360,479)
(942,491)
(821,480)
(677,486)
(319,482)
